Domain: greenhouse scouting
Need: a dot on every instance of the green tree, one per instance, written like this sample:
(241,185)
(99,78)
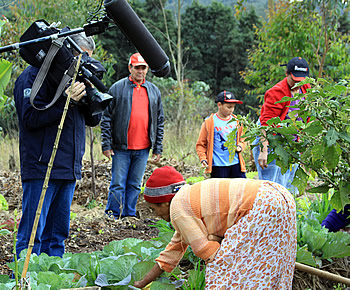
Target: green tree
(248,22)
(5,73)
(215,45)
(299,29)
(208,34)
(7,114)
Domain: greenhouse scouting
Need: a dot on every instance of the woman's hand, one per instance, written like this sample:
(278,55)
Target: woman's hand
(139,284)
(152,275)
(215,238)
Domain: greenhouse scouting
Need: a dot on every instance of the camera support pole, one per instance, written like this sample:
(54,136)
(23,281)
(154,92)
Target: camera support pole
(322,274)
(47,178)
(41,39)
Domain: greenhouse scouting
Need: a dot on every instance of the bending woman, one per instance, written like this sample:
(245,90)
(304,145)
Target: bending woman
(243,229)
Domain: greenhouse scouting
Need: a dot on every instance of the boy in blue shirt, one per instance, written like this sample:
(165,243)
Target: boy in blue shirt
(212,153)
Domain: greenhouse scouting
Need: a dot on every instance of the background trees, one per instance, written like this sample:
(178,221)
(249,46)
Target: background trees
(215,44)
(320,35)
(224,46)
(311,29)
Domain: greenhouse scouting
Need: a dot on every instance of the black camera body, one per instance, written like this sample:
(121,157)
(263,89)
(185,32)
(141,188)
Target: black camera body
(90,71)
(95,100)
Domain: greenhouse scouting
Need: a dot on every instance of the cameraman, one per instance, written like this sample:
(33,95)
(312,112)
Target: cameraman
(37,133)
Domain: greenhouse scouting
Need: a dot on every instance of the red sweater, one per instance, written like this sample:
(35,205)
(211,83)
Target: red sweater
(271,110)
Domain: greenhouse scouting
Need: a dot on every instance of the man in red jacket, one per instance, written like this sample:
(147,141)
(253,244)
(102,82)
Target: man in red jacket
(297,70)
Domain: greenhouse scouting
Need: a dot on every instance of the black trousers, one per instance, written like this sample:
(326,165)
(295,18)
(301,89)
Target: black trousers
(233,171)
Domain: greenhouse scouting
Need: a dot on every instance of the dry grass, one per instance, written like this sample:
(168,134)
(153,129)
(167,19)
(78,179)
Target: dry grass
(178,148)
(181,148)
(9,153)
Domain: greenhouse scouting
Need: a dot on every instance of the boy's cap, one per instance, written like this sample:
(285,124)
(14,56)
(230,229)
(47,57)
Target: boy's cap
(298,68)
(227,97)
(137,59)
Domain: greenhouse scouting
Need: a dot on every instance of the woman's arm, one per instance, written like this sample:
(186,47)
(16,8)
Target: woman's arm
(152,275)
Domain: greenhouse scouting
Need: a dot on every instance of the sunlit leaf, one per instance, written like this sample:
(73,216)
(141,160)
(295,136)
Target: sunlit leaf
(313,128)
(305,257)
(300,179)
(331,137)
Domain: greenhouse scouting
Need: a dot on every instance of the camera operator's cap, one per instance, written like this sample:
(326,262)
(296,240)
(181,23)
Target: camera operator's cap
(298,68)
(163,184)
(227,97)
(137,59)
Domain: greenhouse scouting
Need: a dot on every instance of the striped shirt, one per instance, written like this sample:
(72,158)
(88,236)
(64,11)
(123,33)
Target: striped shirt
(206,208)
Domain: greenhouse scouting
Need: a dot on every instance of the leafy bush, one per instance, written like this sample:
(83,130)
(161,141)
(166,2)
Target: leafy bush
(314,241)
(321,122)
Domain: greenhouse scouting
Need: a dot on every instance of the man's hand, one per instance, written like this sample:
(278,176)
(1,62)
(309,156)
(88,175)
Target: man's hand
(78,91)
(108,153)
(156,157)
(262,159)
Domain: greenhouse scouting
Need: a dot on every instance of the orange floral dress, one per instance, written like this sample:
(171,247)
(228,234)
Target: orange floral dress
(259,251)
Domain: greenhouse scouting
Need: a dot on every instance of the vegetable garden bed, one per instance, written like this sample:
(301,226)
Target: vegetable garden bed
(92,232)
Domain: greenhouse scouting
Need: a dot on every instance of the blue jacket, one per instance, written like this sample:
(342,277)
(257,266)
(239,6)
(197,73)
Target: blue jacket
(116,117)
(38,130)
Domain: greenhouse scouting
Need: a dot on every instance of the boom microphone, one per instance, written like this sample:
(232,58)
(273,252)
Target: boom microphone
(131,25)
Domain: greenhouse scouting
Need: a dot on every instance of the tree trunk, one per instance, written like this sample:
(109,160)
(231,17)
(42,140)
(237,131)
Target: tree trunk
(178,65)
(271,6)
(179,74)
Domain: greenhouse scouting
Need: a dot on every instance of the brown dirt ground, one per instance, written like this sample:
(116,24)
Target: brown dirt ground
(91,230)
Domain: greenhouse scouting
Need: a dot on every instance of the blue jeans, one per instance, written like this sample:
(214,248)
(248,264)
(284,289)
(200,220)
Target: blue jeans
(128,167)
(273,172)
(53,226)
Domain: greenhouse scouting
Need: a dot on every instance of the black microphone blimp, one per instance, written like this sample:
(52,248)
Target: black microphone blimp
(131,25)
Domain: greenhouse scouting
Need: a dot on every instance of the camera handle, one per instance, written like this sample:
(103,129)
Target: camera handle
(67,77)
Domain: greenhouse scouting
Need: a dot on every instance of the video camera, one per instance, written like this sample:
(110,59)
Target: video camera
(57,63)
(52,50)
(95,100)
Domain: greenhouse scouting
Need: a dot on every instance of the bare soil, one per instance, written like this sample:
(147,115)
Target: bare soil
(90,228)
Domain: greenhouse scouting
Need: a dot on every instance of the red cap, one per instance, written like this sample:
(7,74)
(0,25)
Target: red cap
(137,59)
(163,185)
